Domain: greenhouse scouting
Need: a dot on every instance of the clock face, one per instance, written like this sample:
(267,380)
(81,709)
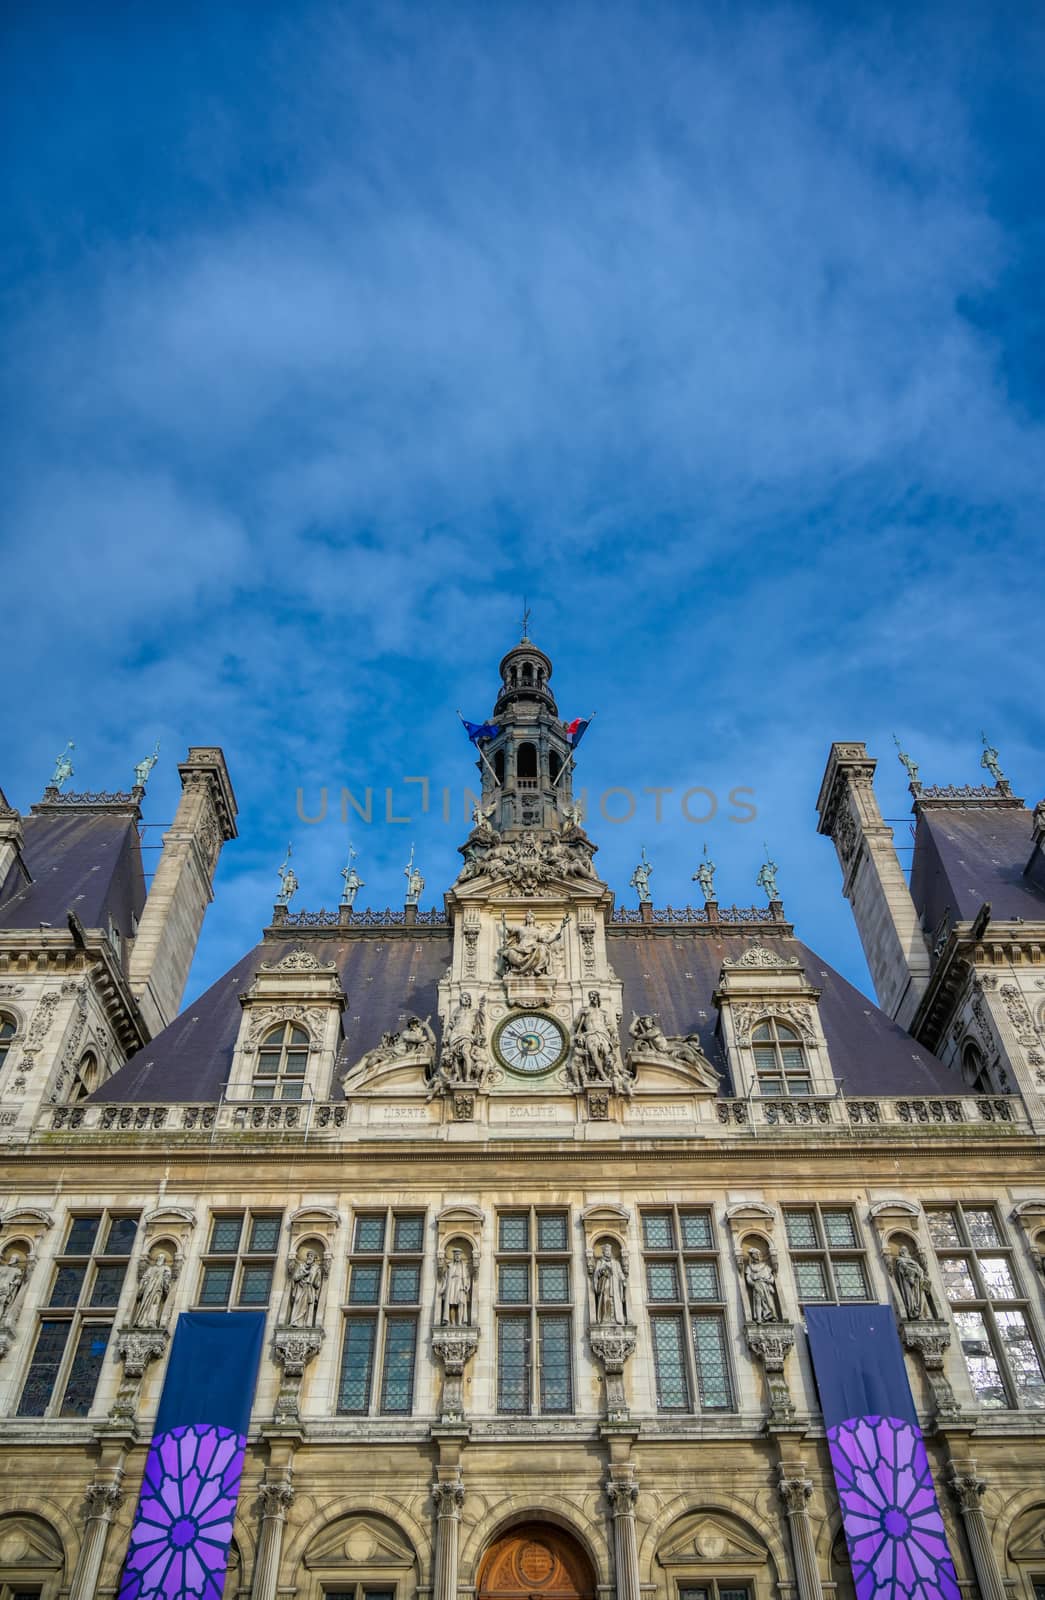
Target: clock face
(530,1044)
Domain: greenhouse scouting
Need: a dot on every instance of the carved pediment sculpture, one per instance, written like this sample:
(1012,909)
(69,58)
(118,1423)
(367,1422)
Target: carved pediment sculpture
(653,1047)
(529,862)
(412,1045)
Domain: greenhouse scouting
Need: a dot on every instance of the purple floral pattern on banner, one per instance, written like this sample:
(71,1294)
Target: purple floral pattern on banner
(183,1527)
(893,1526)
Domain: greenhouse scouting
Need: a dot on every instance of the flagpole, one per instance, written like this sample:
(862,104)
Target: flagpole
(573,757)
(482,757)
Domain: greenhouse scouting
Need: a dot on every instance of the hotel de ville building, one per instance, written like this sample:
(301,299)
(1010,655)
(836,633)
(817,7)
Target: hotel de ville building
(535,1192)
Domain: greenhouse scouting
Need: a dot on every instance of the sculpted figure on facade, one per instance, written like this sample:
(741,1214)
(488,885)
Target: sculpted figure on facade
(63,767)
(609,1281)
(910,1280)
(353,882)
(463,1060)
(766,878)
(595,1051)
(155,1277)
(761,1282)
(525,951)
(288,880)
(143,768)
(705,876)
(13,1273)
(415,883)
(305,1276)
(649,1039)
(640,878)
(413,1043)
(454,1290)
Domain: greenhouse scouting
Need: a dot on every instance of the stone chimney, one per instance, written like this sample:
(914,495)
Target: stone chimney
(183,886)
(873,882)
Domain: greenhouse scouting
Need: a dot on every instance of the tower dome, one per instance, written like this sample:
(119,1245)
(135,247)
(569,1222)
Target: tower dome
(525,674)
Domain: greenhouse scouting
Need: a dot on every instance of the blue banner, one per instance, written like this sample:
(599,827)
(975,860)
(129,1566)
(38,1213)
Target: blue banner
(897,1545)
(179,1544)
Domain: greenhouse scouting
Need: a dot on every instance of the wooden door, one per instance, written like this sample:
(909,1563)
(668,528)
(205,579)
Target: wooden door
(535,1561)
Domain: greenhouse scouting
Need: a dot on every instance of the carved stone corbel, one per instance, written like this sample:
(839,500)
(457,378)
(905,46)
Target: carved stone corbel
(930,1338)
(454,1346)
(614,1346)
(136,1348)
(293,1349)
(772,1343)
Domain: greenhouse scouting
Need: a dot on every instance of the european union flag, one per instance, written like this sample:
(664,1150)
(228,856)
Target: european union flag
(480,730)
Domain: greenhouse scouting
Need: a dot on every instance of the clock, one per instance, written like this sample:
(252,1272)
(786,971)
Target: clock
(530,1043)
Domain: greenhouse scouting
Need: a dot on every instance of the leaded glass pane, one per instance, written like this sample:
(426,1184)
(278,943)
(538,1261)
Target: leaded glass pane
(291,1091)
(662,1281)
(765,1058)
(404,1284)
(689,1593)
(998,1278)
(838,1225)
(812,1285)
(513,1364)
(255,1286)
(770,1085)
(553,1280)
(264,1091)
(943,1228)
(556,1385)
(364,1286)
(983,1229)
(68,1281)
(268,1063)
(85,1368)
(105,1290)
(984,1372)
(397,1380)
(696,1230)
(763,1031)
(120,1238)
(702,1280)
(82,1233)
(799,1083)
(216,1286)
(957,1278)
(657,1231)
(732,1594)
(370,1235)
(1023,1359)
(515,1233)
(714,1389)
(409,1234)
(551,1232)
(513,1282)
(801,1229)
(297,1062)
(224,1235)
(43,1369)
(850,1280)
(793,1057)
(669,1364)
(357,1365)
(264,1236)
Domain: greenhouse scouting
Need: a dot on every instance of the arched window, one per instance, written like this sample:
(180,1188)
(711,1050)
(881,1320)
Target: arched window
(527,672)
(282,1063)
(526,766)
(8,1029)
(974,1069)
(85,1078)
(554,764)
(780,1059)
(498,765)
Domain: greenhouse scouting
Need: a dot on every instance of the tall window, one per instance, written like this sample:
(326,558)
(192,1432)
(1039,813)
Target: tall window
(526,766)
(240,1259)
(687,1311)
(974,1069)
(989,1307)
(74,1329)
(826,1254)
(379,1349)
(534,1313)
(8,1029)
(85,1078)
(282,1063)
(780,1059)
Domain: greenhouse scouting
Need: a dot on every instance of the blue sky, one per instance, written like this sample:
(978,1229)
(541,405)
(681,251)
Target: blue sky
(330,331)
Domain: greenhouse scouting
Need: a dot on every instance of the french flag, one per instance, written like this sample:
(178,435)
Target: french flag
(576,730)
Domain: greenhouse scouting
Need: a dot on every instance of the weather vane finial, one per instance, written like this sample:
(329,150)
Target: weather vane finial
(525,639)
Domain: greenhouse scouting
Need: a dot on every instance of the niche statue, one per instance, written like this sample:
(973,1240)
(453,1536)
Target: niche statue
(910,1280)
(455,1290)
(761,1281)
(609,1281)
(154,1285)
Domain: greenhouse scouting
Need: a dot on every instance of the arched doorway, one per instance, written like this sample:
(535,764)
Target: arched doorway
(536,1561)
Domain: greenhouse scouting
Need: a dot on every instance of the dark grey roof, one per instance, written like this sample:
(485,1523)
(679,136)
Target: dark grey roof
(82,861)
(676,975)
(386,976)
(966,855)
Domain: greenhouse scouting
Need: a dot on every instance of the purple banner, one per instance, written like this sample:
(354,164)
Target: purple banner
(893,1528)
(179,1544)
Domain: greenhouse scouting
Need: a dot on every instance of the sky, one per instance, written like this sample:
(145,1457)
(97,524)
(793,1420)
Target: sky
(330,332)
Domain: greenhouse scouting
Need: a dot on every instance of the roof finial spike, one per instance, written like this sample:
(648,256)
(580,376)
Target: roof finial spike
(767,876)
(288,879)
(907,763)
(989,760)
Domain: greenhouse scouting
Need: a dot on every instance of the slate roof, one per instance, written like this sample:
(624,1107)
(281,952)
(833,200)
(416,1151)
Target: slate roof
(670,972)
(83,861)
(966,855)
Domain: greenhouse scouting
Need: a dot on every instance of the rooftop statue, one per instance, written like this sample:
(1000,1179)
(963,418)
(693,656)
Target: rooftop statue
(640,880)
(353,882)
(415,883)
(705,876)
(989,760)
(143,768)
(767,878)
(63,767)
(288,880)
(911,767)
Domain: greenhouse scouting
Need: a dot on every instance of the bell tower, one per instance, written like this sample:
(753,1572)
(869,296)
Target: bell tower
(526,777)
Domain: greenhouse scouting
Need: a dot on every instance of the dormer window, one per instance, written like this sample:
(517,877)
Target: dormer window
(282,1063)
(781,1066)
(8,1029)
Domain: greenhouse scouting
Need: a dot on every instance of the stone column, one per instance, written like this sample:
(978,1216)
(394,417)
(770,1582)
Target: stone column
(274,1501)
(101,1503)
(448,1494)
(623,1491)
(967,1487)
(796,1492)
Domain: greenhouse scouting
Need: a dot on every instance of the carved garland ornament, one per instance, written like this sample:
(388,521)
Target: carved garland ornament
(309,1017)
(748,1015)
